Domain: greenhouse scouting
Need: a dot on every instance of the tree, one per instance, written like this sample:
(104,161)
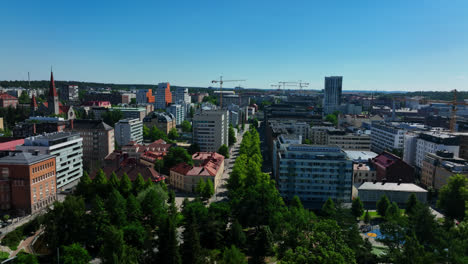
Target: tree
(307,141)
(138,184)
(100,183)
(255,123)
(133,208)
(135,234)
(114,181)
(191,248)
(168,245)
(233,255)
(112,117)
(84,187)
(382,205)
(133,101)
(146,132)
(186,126)
(411,204)
(173,135)
(194,148)
(24,98)
(236,235)
(453,197)
(367,217)
(116,206)
(75,254)
(328,208)
(332,119)
(125,186)
(192,112)
(224,150)
(413,253)
(392,211)
(232,136)
(357,207)
(24,258)
(174,156)
(262,245)
(200,187)
(156,134)
(208,190)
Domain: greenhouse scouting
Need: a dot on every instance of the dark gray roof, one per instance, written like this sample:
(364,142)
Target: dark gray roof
(90,124)
(23,158)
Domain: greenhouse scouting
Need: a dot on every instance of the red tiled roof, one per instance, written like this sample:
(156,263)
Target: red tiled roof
(6,96)
(210,166)
(11,145)
(386,159)
(132,168)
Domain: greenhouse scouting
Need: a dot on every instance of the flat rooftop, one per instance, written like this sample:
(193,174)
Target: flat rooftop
(357,155)
(23,158)
(391,186)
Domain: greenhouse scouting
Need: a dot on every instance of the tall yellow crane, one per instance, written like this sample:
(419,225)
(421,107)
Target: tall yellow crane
(221,81)
(454,104)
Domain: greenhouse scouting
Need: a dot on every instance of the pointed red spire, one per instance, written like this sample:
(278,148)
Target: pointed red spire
(52,90)
(33,102)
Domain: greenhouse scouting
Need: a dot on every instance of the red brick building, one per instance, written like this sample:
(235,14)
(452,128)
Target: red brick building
(27,181)
(7,100)
(392,168)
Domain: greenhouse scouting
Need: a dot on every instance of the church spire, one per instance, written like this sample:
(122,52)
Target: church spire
(52,90)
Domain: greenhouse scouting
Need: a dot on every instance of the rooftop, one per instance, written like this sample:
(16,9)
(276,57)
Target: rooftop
(391,186)
(6,96)
(357,155)
(90,124)
(23,158)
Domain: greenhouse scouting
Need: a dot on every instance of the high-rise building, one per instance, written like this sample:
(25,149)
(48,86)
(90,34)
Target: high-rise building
(181,95)
(332,94)
(144,96)
(163,96)
(98,141)
(312,172)
(210,129)
(67,147)
(431,142)
(386,136)
(27,182)
(69,93)
(178,111)
(127,130)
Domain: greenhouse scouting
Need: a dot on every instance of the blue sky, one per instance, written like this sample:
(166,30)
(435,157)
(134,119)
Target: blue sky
(375,45)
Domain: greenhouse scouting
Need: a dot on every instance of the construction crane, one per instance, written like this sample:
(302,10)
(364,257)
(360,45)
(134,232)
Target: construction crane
(278,86)
(454,104)
(302,85)
(221,81)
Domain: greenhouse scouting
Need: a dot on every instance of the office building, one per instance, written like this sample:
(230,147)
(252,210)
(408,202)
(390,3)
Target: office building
(371,192)
(28,180)
(67,147)
(178,112)
(392,168)
(98,141)
(314,173)
(332,94)
(431,142)
(127,130)
(386,136)
(163,96)
(69,93)
(181,96)
(210,129)
(348,141)
(131,112)
(409,150)
(145,96)
(207,166)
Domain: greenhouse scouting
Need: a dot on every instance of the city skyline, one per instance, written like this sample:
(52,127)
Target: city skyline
(375,46)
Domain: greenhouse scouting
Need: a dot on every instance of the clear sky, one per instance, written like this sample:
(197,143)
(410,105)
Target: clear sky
(374,45)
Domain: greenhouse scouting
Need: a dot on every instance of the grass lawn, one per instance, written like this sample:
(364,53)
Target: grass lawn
(379,251)
(374,214)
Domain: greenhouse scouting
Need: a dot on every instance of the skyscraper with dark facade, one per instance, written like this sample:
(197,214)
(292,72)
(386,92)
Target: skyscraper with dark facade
(332,94)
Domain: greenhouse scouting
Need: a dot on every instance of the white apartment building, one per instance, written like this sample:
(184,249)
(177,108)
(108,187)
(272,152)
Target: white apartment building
(127,130)
(67,147)
(178,111)
(385,136)
(313,173)
(211,129)
(430,142)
